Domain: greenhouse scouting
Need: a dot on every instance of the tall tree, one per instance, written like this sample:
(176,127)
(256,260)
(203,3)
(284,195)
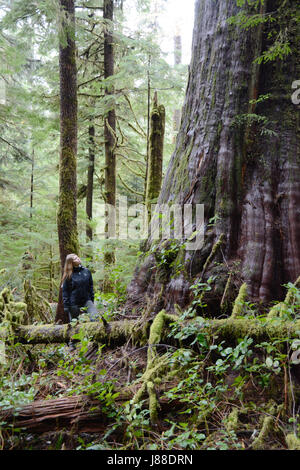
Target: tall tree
(67,210)
(156,147)
(109,131)
(237,152)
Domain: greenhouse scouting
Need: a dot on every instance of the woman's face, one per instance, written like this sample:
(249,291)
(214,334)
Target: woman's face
(76,260)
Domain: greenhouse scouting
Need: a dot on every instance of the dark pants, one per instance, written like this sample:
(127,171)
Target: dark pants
(89,308)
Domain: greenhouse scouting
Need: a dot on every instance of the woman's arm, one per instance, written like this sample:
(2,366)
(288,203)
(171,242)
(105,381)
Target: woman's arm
(66,294)
(91,288)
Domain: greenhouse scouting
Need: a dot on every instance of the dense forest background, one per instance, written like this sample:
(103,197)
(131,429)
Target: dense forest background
(30,129)
(193,349)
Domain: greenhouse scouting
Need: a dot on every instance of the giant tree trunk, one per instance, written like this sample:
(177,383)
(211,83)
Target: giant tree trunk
(67,210)
(247,177)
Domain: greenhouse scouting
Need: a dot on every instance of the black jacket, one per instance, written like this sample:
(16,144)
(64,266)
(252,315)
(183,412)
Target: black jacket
(79,288)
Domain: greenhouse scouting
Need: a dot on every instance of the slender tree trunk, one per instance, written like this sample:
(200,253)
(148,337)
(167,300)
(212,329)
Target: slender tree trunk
(148,123)
(110,140)
(67,210)
(177,61)
(156,145)
(90,181)
(31,184)
(247,175)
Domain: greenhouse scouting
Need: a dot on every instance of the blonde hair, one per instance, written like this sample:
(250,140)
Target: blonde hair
(68,268)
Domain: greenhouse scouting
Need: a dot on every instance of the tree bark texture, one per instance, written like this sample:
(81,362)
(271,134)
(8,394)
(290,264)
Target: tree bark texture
(90,181)
(247,177)
(156,147)
(67,210)
(109,135)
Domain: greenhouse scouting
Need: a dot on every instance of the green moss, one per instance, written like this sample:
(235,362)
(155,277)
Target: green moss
(293,442)
(259,442)
(275,310)
(38,307)
(153,403)
(232,420)
(238,307)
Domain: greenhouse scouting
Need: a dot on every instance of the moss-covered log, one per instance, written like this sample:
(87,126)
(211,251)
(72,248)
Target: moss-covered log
(118,332)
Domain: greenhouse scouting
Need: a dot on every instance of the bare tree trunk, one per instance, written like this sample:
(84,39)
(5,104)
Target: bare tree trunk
(245,172)
(67,210)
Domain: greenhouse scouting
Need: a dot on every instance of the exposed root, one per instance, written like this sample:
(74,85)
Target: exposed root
(209,259)
(155,365)
(153,403)
(223,300)
(267,427)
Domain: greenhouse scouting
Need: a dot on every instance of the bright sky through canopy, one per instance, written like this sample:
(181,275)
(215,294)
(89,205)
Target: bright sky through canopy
(178,14)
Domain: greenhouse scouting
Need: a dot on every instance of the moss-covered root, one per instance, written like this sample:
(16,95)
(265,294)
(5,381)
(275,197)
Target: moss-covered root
(232,421)
(226,290)
(152,371)
(279,309)
(153,402)
(238,307)
(259,442)
(275,310)
(293,442)
(215,248)
(156,332)
(155,365)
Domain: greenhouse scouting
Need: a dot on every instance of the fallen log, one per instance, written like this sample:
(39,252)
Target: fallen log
(119,332)
(81,413)
(113,334)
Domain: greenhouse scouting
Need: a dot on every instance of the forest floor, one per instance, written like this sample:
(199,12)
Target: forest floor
(208,394)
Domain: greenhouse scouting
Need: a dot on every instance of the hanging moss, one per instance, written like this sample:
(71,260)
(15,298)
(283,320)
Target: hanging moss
(238,307)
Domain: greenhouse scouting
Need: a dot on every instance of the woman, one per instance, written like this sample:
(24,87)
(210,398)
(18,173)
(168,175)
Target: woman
(77,288)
